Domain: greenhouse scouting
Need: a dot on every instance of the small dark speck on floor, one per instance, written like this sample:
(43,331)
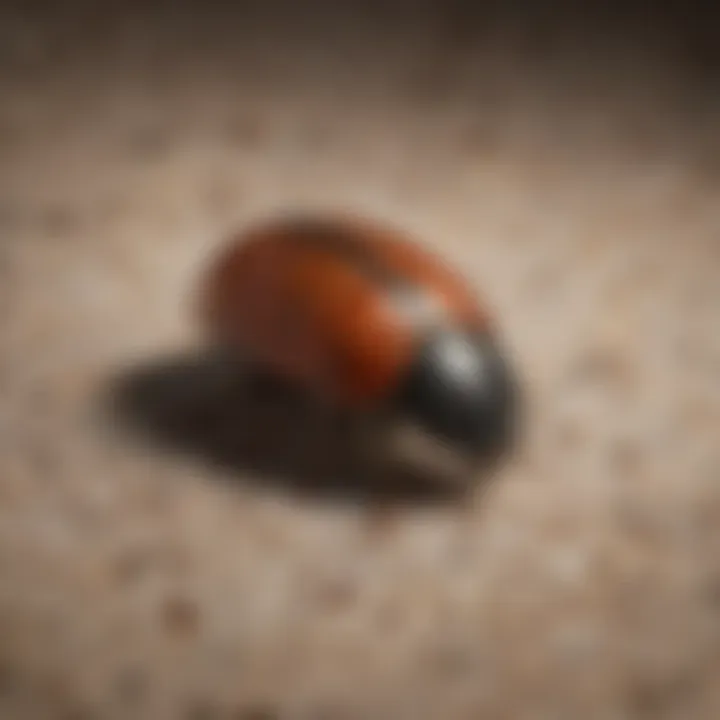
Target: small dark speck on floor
(131,685)
(600,366)
(626,456)
(337,595)
(256,713)
(712,591)
(203,710)
(245,131)
(79,714)
(644,701)
(381,524)
(60,221)
(7,680)
(150,143)
(570,434)
(181,616)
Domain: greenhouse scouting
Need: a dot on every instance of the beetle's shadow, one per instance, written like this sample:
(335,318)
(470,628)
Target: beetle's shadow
(257,427)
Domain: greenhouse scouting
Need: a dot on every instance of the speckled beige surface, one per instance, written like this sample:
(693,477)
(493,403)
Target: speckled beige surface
(136,582)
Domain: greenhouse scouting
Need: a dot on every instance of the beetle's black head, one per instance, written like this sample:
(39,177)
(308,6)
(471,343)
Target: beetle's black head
(460,390)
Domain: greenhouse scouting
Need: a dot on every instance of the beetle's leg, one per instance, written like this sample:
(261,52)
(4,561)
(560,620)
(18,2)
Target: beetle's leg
(437,461)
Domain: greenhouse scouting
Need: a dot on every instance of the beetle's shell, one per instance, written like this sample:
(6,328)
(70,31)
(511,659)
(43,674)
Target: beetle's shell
(339,304)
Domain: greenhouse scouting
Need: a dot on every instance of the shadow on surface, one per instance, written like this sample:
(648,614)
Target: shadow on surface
(261,429)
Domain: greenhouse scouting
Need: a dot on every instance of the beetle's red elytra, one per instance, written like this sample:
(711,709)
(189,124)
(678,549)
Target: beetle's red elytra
(358,313)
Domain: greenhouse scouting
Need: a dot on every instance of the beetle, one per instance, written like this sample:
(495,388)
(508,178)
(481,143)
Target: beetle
(366,319)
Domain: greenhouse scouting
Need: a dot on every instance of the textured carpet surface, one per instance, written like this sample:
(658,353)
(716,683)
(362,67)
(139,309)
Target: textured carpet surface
(576,186)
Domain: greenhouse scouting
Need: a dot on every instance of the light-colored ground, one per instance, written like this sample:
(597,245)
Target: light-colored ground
(140,583)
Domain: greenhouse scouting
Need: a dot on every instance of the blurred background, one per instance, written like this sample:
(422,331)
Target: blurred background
(566,157)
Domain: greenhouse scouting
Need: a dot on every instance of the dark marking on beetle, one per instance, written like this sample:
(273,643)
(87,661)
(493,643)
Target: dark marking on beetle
(345,244)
